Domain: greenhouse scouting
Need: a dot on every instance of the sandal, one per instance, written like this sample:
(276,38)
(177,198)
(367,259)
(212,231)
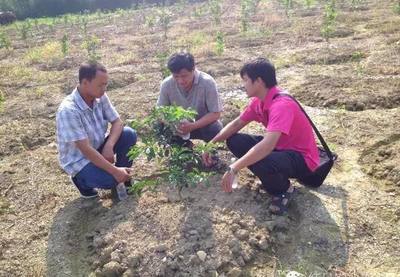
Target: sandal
(279,203)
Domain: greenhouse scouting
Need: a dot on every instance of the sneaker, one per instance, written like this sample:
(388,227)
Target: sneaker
(85,193)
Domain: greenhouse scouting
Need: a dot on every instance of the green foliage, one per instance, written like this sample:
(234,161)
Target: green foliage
(2,100)
(309,3)
(220,44)
(47,53)
(24,29)
(64,45)
(397,7)
(357,56)
(162,61)
(199,11)
(178,166)
(356,4)
(150,20)
(4,41)
(91,45)
(164,20)
(215,7)
(329,18)
(288,5)
(247,9)
(83,24)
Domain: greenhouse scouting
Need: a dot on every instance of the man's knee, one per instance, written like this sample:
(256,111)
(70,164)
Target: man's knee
(233,141)
(129,136)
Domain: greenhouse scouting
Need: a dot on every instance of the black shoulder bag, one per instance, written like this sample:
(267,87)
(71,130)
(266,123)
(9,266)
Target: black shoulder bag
(326,157)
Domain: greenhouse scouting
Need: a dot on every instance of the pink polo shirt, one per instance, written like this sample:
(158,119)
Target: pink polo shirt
(283,115)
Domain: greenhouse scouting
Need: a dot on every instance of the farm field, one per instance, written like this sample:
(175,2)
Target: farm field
(345,71)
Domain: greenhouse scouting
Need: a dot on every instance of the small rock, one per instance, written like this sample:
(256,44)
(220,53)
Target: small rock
(248,256)
(243,223)
(282,238)
(212,273)
(134,261)
(253,241)
(193,232)
(240,261)
(235,227)
(163,199)
(194,260)
(105,256)
(202,255)
(116,256)
(129,273)
(234,272)
(263,244)
(98,242)
(119,217)
(173,197)
(282,224)
(112,269)
(161,270)
(120,245)
(242,234)
(161,248)
(294,274)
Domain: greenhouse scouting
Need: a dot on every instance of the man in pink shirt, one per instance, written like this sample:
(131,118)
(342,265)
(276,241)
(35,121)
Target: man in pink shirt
(288,148)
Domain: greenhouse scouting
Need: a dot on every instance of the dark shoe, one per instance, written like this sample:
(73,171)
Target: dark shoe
(85,193)
(279,204)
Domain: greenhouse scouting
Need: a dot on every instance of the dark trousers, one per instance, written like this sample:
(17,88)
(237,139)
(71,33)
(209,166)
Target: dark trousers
(275,169)
(208,132)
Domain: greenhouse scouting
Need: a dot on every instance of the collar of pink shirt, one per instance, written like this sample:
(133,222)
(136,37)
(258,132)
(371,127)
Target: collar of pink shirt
(269,97)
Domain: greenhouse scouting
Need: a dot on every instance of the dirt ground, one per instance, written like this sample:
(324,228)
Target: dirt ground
(350,87)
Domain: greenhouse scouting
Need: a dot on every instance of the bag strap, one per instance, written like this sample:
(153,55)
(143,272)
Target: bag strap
(321,139)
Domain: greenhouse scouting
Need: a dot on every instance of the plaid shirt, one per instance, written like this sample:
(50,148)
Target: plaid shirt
(77,121)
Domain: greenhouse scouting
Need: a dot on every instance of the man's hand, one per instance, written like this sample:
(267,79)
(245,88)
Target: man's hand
(122,174)
(108,153)
(207,159)
(185,127)
(227,181)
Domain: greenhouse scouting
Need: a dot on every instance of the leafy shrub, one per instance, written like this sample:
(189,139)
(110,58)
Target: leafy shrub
(64,45)
(4,41)
(91,45)
(329,18)
(178,166)
(47,53)
(220,44)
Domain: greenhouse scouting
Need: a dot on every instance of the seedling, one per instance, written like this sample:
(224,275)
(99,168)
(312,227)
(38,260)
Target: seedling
(220,44)
(178,166)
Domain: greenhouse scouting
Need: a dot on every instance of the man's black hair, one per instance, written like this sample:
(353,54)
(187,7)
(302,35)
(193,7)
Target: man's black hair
(179,61)
(262,68)
(88,70)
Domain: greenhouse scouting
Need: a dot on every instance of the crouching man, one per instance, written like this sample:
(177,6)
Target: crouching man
(190,88)
(85,153)
(286,150)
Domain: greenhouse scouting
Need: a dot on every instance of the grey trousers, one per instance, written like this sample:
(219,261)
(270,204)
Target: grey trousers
(208,132)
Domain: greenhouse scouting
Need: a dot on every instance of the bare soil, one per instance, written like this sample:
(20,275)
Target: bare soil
(350,87)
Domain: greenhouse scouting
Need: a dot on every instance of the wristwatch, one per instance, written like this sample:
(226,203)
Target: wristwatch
(234,171)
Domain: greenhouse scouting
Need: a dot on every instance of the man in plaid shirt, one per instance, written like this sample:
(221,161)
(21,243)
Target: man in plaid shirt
(85,152)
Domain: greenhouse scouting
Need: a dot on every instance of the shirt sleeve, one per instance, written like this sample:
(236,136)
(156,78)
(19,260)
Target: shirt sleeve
(281,117)
(109,112)
(163,99)
(69,126)
(249,113)
(213,100)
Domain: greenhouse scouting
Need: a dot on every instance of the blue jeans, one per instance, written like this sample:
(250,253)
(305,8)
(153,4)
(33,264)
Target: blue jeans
(91,176)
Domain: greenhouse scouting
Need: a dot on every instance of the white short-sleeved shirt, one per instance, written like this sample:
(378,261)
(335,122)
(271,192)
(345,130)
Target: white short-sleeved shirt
(77,121)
